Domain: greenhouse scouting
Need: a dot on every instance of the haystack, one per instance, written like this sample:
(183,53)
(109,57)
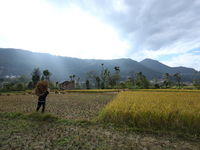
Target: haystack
(41,87)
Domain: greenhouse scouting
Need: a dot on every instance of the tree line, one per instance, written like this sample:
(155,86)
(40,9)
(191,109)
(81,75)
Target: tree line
(134,80)
(23,82)
(104,80)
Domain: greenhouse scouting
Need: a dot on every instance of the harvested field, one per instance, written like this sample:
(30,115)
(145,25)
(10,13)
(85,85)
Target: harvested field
(68,106)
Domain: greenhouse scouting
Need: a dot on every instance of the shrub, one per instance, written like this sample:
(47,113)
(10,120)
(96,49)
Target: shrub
(19,87)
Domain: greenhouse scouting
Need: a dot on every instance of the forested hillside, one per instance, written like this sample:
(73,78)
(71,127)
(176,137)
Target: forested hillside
(18,62)
(158,66)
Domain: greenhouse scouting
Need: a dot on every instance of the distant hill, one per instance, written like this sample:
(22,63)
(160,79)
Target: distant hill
(158,66)
(18,62)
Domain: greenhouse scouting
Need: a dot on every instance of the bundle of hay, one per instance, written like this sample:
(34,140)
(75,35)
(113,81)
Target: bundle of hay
(41,87)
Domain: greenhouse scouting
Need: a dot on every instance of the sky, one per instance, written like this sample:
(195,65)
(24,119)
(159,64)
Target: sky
(167,31)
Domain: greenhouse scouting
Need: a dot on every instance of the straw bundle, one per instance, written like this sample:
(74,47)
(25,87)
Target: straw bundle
(41,87)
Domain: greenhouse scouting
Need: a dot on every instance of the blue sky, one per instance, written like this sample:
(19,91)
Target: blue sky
(167,31)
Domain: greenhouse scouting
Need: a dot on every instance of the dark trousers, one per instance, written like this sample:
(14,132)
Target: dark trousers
(39,105)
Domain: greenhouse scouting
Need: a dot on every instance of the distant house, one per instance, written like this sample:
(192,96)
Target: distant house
(66,86)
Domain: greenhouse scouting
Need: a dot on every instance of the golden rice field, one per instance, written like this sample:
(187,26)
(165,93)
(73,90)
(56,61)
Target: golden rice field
(155,110)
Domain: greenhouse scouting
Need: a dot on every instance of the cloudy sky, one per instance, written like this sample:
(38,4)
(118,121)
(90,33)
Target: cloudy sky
(167,31)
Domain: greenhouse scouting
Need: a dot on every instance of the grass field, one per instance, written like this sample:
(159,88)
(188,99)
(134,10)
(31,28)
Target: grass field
(77,121)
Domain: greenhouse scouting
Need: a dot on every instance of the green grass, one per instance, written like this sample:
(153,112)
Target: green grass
(30,116)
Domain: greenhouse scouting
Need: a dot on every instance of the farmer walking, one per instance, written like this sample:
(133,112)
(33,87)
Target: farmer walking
(42,100)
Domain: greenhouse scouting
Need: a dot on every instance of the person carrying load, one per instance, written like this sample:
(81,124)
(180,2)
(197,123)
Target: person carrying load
(42,91)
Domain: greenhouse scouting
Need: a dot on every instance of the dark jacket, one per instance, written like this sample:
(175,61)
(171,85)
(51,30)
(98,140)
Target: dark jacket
(42,98)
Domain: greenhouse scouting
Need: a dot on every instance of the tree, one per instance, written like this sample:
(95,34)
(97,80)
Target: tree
(24,79)
(102,85)
(51,85)
(77,83)
(142,81)
(167,81)
(91,75)
(47,75)
(98,82)
(87,84)
(1,82)
(102,66)
(132,77)
(19,87)
(94,76)
(36,76)
(178,78)
(112,79)
(30,85)
(2,79)
(104,74)
(156,85)
(195,80)
(70,78)
(56,84)
(117,70)
(74,78)
(9,85)
(42,78)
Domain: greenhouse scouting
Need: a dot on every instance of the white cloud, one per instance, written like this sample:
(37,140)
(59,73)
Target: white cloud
(170,27)
(189,60)
(36,26)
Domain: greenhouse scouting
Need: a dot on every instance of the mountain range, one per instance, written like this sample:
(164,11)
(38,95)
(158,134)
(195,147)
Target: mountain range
(17,62)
